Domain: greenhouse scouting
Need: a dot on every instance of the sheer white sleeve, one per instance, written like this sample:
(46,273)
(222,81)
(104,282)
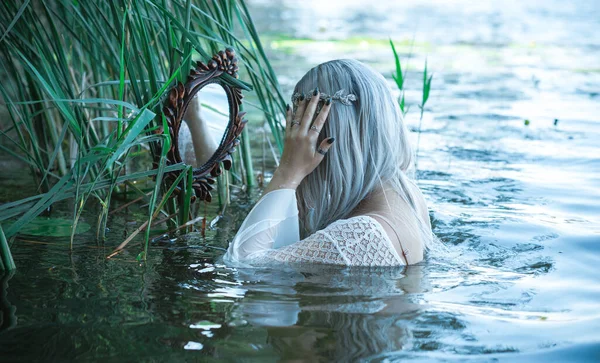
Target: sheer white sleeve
(270,234)
(271,224)
(357,241)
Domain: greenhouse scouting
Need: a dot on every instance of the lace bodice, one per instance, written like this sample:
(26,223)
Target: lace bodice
(270,234)
(357,241)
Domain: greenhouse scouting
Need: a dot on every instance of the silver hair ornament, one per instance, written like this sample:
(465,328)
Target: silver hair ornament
(338,96)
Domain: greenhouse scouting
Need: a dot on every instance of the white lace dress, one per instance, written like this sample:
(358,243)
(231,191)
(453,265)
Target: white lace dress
(270,234)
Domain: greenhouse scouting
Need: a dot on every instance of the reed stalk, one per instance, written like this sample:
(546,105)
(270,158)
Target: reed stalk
(247,157)
(400,77)
(425,97)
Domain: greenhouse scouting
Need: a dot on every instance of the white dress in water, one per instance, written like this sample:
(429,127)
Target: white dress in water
(270,234)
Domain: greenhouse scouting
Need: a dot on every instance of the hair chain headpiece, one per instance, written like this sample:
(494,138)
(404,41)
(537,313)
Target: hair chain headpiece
(345,99)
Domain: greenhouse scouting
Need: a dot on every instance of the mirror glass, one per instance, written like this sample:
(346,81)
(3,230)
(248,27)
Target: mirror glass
(204,125)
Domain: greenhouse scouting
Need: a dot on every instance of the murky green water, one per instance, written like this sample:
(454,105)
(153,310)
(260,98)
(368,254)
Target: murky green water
(518,207)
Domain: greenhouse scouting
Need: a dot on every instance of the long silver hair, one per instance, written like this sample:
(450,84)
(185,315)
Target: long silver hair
(371,147)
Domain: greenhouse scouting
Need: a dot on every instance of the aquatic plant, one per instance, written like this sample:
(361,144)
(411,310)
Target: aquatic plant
(400,77)
(83,83)
(426,89)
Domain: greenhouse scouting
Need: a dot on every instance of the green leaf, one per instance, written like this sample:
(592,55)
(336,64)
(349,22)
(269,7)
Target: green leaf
(133,130)
(426,86)
(122,63)
(398,76)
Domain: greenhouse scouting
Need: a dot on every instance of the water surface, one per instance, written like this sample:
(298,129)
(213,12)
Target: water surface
(517,206)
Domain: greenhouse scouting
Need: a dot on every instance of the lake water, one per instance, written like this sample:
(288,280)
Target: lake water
(517,206)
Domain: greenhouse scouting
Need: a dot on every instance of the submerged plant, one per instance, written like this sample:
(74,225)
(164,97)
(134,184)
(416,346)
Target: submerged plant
(83,83)
(6,259)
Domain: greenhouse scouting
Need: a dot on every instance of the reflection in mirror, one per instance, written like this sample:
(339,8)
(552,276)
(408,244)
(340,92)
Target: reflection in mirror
(206,120)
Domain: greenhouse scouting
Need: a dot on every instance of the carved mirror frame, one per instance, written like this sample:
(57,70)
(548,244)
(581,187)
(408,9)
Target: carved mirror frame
(220,69)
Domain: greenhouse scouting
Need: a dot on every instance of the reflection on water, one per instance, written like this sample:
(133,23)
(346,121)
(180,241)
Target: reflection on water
(517,206)
(8,319)
(340,313)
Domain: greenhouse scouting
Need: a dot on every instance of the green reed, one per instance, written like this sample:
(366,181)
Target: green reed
(83,84)
(400,77)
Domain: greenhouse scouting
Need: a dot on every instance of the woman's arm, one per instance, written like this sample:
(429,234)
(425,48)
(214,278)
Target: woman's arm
(357,241)
(273,222)
(300,156)
(204,144)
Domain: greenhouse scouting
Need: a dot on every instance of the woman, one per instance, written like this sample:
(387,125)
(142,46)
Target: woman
(349,199)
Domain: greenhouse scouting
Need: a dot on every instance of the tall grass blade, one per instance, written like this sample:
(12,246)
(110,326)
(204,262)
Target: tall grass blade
(15,19)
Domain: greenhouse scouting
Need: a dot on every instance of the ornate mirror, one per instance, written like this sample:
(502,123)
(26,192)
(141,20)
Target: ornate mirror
(204,121)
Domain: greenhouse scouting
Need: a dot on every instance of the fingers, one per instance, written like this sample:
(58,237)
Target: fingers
(323,149)
(310,110)
(321,118)
(288,119)
(297,116)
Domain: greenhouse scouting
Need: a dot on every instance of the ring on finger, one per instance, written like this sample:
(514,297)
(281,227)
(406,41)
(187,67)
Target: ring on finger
(321,151)
(295,122)
(315,128)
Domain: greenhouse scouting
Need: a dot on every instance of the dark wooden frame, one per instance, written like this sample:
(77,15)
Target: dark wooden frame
(220,69)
